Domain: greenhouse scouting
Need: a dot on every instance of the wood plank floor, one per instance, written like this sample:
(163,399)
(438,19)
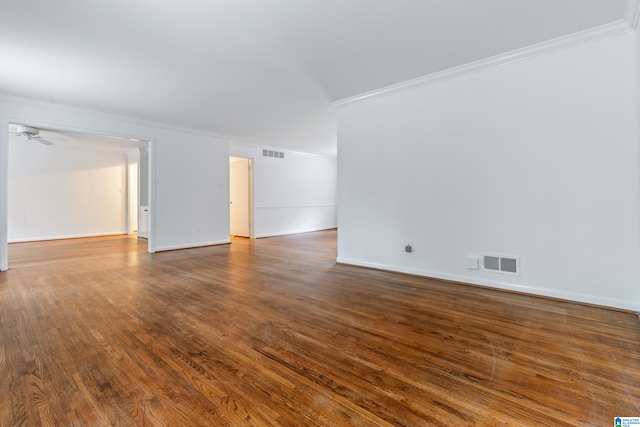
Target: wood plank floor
(272,332)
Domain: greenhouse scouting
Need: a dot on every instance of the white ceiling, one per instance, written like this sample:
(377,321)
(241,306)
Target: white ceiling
(262,71)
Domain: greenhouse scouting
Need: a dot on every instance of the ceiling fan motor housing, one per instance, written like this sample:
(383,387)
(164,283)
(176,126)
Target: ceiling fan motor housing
(27,130)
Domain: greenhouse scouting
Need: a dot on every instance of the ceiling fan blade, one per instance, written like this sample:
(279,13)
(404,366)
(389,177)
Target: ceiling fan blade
(42,140)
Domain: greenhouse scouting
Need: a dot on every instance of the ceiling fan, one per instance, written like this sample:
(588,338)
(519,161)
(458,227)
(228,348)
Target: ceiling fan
(30,134)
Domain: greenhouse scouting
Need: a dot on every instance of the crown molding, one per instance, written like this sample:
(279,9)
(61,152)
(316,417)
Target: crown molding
(36,103)
(553,45)
(261,146)
(632,13)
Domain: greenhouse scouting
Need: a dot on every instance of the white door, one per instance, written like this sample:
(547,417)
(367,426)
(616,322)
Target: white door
(240,196)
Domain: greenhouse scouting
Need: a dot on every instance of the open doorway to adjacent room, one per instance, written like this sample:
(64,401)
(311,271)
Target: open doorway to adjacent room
(66,184)
(241,197)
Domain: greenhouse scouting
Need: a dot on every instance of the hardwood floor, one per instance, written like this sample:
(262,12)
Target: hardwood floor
(272,332)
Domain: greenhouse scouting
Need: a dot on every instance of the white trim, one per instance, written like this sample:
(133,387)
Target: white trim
(192,245)
(65,126)
(252,199)
(297,206)
(288,233)
(252,194)
(151,202)
(632,13)
(259,146)
(72,128)
(533,290)
(564,42)
(107,116)
(4,190)
(72,236)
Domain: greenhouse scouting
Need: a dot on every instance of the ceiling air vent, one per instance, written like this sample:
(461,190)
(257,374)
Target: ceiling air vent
(501,264)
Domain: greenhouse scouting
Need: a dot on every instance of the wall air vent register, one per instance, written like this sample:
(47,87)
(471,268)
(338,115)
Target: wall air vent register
(271,153)
(501,264)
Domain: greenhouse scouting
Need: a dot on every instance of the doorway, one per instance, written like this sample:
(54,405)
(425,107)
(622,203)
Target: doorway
(241,197)
(110,174)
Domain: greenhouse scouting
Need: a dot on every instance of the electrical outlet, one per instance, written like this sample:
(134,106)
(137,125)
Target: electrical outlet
(408,247)
(199,229)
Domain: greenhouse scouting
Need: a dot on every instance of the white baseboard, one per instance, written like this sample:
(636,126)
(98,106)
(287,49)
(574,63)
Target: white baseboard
(288,233)
(533,290)
(191,245)
(63,237)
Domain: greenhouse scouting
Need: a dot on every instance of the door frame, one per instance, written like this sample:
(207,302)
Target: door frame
(251,192)
(4,177)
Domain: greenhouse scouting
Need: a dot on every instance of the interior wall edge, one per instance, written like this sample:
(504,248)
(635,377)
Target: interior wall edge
(4,190)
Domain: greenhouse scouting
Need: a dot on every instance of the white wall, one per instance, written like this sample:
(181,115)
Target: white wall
(192,191)
(292,195)
(537,158)
(61,192)
(189,170)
